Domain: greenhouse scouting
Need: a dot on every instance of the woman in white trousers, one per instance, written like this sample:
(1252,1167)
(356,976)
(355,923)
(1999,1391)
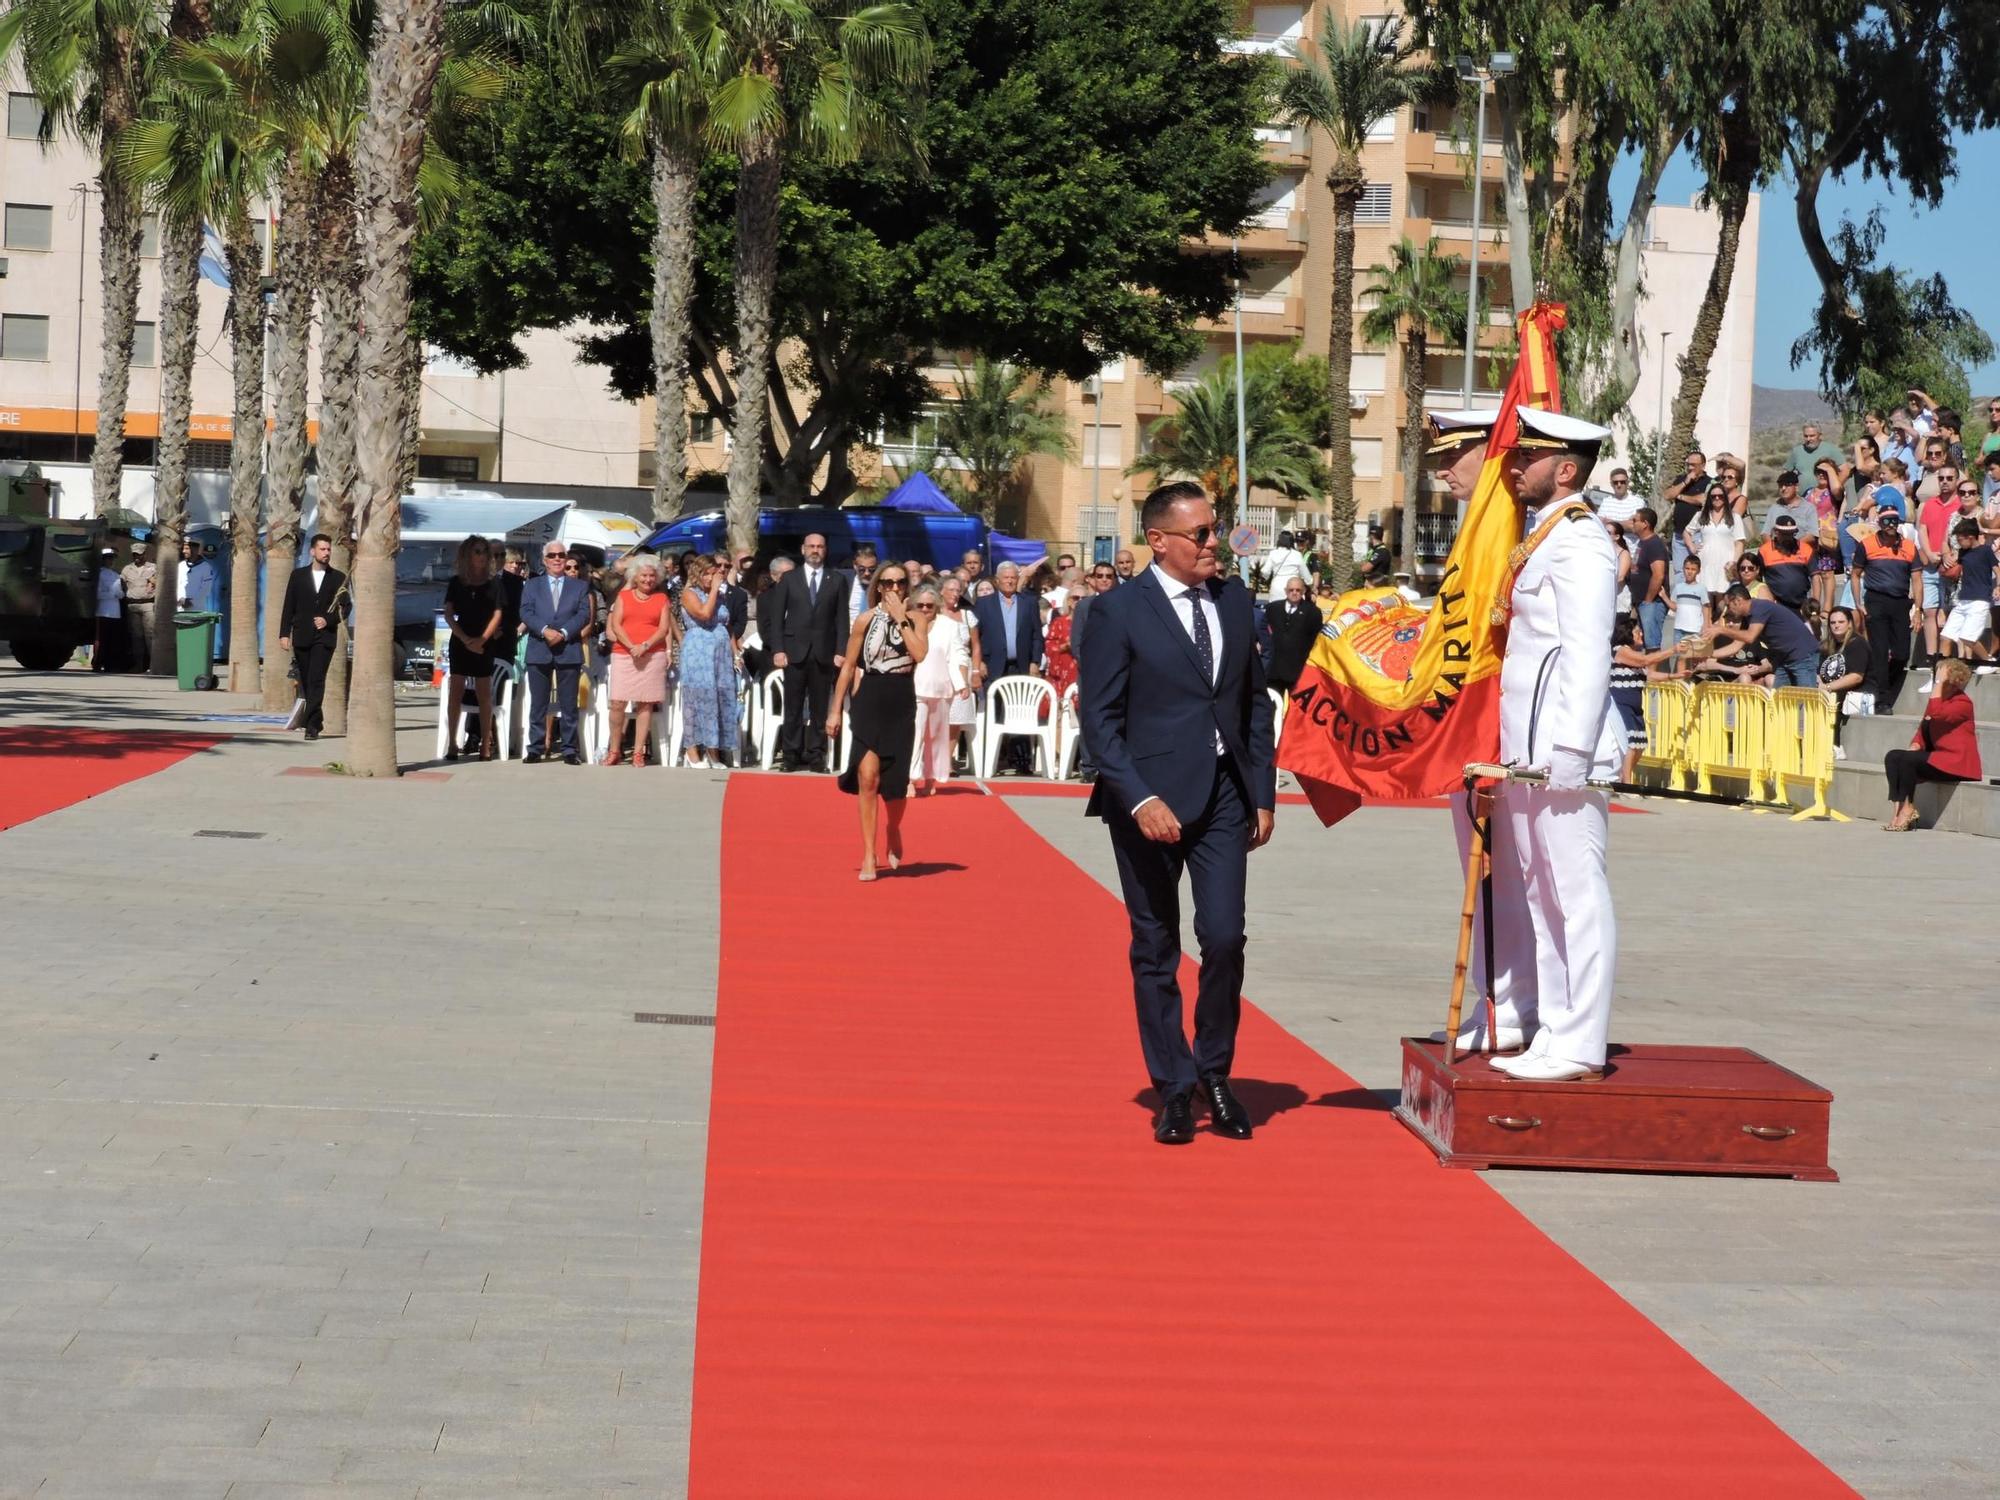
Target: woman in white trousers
(943,676)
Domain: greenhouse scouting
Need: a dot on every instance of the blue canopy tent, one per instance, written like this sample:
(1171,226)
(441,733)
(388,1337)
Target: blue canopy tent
(1020,551)
(919,493)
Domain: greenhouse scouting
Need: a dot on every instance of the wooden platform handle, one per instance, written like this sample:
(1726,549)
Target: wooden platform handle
(1523,1122)
(1770,1132)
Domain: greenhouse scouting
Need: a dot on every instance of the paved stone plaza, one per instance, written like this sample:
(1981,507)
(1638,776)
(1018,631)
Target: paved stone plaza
(333,1160)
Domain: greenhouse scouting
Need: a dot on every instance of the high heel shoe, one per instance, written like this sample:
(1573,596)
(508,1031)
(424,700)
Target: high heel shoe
(867,874)
(638,757)
(452,753)
(610,760)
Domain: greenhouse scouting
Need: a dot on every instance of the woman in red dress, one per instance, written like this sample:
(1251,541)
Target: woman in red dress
(1945,748)
(1055,643)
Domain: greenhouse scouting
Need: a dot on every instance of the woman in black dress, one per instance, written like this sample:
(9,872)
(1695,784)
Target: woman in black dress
(881,663)
(473,608)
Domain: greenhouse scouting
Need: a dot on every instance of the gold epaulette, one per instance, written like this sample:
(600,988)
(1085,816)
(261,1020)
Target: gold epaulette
(1503,603)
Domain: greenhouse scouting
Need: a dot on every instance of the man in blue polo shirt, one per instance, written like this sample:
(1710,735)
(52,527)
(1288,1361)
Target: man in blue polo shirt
(1793,647)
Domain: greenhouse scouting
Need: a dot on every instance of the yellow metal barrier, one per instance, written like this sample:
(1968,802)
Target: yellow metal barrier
(1801,742)
(1732,722)
(1670,731)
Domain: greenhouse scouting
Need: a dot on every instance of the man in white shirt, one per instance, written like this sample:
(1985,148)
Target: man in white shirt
(110,611)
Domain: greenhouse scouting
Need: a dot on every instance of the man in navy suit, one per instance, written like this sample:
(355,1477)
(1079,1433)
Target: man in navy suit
(1175,714)
(1010,642)
(555,611)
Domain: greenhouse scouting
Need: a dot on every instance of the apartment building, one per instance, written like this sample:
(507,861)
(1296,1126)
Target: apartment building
(555,423)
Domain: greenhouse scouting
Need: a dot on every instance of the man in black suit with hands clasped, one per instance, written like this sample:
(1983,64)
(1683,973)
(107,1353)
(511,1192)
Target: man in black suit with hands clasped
(311,625)
(1175,714)
(804,627)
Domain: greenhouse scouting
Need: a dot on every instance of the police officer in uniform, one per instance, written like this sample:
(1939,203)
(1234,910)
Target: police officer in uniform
(1555,936)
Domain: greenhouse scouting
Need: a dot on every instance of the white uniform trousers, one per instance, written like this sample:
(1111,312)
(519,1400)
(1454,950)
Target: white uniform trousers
(1514,988)
(1554,844)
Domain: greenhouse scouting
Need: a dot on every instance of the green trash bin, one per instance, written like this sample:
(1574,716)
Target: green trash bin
(194,648)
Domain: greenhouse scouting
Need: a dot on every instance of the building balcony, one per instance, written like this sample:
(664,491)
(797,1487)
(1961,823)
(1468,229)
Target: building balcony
(1263,318)
(1428,153)
(1279,231)
(1285,145)
(1261,44)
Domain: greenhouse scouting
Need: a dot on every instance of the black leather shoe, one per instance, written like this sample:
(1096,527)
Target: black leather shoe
(532,758)
(1174,1124)
(312,734)
(1225,1110)
(572,759)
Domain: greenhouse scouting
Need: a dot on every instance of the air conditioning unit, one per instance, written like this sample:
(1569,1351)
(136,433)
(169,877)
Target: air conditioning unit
(1093,387)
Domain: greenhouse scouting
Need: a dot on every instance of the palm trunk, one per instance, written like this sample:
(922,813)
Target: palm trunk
(757,187)
(246,455)
(1627,358)
(292,330)
(1413,442)
(339,374)
(402,72)
(180,251)
(1346,184)
(412,398)
(676,175)
(1732,204)
(1519,212)
(118,258)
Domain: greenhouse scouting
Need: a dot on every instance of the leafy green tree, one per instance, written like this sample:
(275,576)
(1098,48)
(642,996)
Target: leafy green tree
(1414,298)
(1355,76)
(1199,440)
(1058,225)
(1000,419)
(89,66)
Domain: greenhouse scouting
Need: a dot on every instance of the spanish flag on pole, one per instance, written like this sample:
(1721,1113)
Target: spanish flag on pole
(1396,701)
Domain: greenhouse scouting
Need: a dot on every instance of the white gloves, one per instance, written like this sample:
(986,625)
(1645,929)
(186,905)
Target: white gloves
(1569,770)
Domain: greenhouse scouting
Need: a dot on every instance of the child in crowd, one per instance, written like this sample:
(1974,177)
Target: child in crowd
(1690,600)
(1971,617)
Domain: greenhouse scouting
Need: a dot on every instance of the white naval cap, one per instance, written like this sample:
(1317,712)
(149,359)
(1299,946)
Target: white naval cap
(1554,431)
(1453,430)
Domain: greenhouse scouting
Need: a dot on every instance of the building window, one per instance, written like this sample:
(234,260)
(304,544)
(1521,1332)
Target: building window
(24,336)
(24,117)
(29,226)
(149,236)
(1374,205)
(205,453)
(1103,445)
(447,466)
(1367,458)
(1383,129)
(701,427)
(143,348)
(1366,374)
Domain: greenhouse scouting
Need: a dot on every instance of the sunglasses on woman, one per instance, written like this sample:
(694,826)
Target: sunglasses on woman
(893,583)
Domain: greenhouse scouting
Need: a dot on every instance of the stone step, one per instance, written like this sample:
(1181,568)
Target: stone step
(1983,690)
(1871,737)
(1861,790)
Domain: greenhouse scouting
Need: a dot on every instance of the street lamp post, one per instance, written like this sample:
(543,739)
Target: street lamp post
(1660,409)
(1498,65)
(1242,432)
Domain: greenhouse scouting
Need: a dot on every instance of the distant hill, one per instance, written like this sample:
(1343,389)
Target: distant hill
(1780,406)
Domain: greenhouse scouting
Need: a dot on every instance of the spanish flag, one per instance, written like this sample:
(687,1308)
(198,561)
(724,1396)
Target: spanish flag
(1396,701)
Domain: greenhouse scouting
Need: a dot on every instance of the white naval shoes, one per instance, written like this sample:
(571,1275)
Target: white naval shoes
(1474,1038)
(1539,1067)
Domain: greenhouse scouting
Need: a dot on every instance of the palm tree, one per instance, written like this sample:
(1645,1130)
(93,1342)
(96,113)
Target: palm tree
(807,76)
(1199,441)
(405,51)
(1361,73)
(89,66)
(665,62)
(1000,421)
(1414,296)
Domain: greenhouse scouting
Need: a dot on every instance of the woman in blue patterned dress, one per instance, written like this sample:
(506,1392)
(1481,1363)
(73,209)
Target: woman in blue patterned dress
(707,667)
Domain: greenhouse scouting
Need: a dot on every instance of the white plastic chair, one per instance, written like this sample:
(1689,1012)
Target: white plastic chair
(1070,740)
(596,727)
(1015,706)
(770,718)
(451,718)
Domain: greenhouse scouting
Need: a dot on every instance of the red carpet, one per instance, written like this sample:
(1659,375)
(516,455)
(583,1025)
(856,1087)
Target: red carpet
(942,1258)
(46,767)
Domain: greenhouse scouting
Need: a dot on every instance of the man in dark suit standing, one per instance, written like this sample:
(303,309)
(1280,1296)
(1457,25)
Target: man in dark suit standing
(1294,624)
(555,609)
(311,624)
(805,634)
(1175,714)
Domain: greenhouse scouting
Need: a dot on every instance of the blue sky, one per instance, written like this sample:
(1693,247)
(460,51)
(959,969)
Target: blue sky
(1955,239)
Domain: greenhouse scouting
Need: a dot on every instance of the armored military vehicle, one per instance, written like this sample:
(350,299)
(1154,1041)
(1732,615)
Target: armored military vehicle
(48,575)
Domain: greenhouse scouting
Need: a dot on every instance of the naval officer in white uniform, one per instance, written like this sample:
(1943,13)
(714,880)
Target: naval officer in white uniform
(1555,936)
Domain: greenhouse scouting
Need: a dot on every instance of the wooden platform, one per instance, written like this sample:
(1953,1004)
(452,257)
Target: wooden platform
(1709,1110)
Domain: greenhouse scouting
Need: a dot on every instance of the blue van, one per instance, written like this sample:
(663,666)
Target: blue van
(940,540)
